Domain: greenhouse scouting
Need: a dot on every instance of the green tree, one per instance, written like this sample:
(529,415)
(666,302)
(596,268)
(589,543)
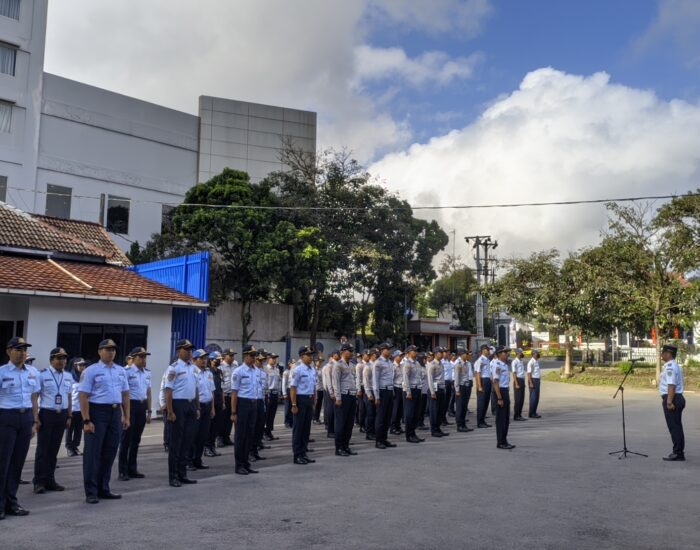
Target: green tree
(456,290)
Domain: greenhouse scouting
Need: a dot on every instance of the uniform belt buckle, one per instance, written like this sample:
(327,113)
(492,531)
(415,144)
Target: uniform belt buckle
(114,405)
(22,410)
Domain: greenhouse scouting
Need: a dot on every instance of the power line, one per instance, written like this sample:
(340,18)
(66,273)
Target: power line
(393,208)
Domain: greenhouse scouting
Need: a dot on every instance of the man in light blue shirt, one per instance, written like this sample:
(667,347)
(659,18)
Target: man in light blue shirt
(19,420)
(245,386)
(500,374)
(205,388)
(105,406)
(672,401)
(302,390)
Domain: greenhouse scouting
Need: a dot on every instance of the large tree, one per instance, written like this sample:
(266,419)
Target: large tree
(456,289)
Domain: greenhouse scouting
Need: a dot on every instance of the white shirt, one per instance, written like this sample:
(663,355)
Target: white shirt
(483,366)
(671,375)
(533,367)
(518,368)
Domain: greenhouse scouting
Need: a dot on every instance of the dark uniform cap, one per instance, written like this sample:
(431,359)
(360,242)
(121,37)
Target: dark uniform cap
(78,361)
(261,353)
(502,349)
(461,351)
(669,347)
(411,348)
(198,353)
(58,352)
(385,345)
(138,350)
(484,346)
(347,347)
(273,355)
(184,344)
(249,350)
(108,343)
(306,350)
(17,343)
(438,349)
(228,351)
(336,352)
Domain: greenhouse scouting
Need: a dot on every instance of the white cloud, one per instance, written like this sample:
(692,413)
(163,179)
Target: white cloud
(677,23)
(434,67)
(558,137)
(297,54)
(464,16)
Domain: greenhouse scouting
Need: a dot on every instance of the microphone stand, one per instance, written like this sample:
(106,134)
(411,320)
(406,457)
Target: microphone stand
(621,390)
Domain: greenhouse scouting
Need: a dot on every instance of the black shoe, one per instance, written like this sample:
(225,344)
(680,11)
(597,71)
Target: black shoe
(175,483)
(220,442)
(22,482)
(165,448)
(520,419)
(464,429)
(191,468)
(109,495)
(436,434)
(482,425)
(394,431)
(252,458)
(200,466)
(674,457)
(251,471)
(350,451)
(370,437)
(309,460)
(362,430)
(39,489)
(331,436)
(92,499)
(2,514)
(261,447)
(300,460)
(390,444)
(534,416)
(187,481)
(273,438)
(444,434)
(423,428)
(136,475)
(420,439)
(228,442)
(71,452)
(379,445)
(341,452)
(312,440)
(124,477)
(208,452)
(412,440)
(451,414)
(310,451)
(258,457)
(241,470)
(507,446)
(55,487)
(447,423)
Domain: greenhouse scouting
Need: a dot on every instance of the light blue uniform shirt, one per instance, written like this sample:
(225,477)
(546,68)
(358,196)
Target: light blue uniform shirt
(382,375)
(304,379)
(483,366)
(17,386)
(671,374)
(244,380)
(182,378)
(139,382)
(206,386)
(518,368)
(52,384)
(449,368)
(104,385)
(500,373)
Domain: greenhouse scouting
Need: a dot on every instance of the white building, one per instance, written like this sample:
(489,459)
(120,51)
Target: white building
(75,151)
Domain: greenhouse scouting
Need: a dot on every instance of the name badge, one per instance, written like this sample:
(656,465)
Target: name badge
(59,400)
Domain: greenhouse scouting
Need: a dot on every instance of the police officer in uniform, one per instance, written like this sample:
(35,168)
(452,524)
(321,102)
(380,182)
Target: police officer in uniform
(344,390)
(328,397)
(55,411)
(74,432)
(448,367)
(182,404)
(258,445)
(411,385)
(227,366)
(19,420)
(139,378)
(501,396)
(462,384)
(436,386)
(288,417)
(207,411)
(517,367)
(533,381)
(320,405)
(672,401)
(274,385)
(244,393)
(383,388)
(302,393)
(482,377)
(217,405)
(106,410)
(359,380)
(368,396)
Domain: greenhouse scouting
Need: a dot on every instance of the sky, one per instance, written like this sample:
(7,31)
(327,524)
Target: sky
(447,102)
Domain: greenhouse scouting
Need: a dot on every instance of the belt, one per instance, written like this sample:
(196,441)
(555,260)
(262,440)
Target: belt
(415,386)
(386,387)
(349,392)
(186,400)
(53,410)
(274,392)
(106,405)
(21,410)
(138,400)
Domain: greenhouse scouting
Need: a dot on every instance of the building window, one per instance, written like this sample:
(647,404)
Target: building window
(58,201)
(5,117)
(118,215)
(8,59)
(10,8)
(82,339)
(3,188)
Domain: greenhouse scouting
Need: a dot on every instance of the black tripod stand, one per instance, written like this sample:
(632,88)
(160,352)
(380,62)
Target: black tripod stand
(621,390)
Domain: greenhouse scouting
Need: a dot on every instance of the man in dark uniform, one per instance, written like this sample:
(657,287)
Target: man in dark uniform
(302,389)
(19,420)
(244,393)
(105,406)
(672,401)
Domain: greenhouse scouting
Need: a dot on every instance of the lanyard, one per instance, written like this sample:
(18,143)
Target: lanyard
(58,384)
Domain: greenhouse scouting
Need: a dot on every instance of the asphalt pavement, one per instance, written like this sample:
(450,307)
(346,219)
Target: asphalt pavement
(558,488)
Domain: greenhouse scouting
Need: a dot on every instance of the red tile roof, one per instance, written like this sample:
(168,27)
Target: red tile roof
(22,275)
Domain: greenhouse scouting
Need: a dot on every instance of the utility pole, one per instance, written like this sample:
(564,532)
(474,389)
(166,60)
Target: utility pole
(481,242)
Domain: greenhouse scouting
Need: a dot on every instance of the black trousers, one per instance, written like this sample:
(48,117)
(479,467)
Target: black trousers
(245,430)
(217,425)
(202,431)
(424,399)
(131,438)
(15,435)
(226,423)
(362,409)
(470,385)
(370,415)
(319,405)
(288,417)
(48,443)
(386,404)
(397,409)
(461,406)
(74,434)
(344,421)
(259,421)
(534,396)
(329,413)
(411,411)
(674,422)
(182,434)
(166,431)
(449,397)
(519,398)
(271,412)
(502,416)
(101,448)
(482,400)
(301,427)
(437,406)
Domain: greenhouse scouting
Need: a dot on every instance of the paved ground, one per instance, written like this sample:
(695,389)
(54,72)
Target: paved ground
(558,488)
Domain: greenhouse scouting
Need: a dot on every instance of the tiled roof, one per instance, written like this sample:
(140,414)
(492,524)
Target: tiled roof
(22,275)
(21,230)
(89,233)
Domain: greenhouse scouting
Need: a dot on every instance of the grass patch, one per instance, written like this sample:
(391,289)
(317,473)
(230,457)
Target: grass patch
(642,377)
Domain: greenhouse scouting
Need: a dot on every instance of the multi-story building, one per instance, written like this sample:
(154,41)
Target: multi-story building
(71,150)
